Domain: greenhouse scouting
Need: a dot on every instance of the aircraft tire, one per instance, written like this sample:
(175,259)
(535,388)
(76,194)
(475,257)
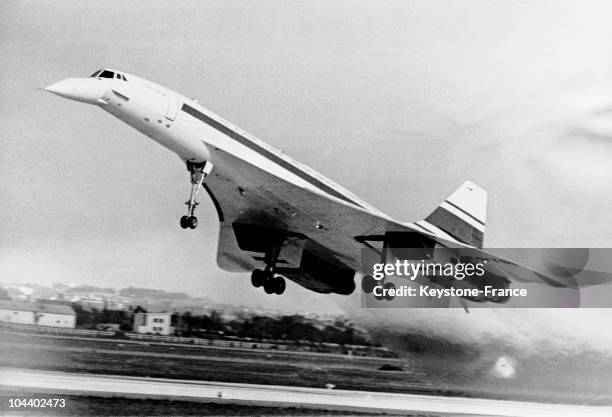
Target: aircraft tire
(192,222)
(269,287)
(257,278)
(279,285)
(184,222)
(368,283)
(388,286)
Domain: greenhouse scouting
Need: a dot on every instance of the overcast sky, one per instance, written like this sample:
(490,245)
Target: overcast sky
(398,101)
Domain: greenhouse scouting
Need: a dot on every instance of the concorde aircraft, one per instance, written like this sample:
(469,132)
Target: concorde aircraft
(278,218)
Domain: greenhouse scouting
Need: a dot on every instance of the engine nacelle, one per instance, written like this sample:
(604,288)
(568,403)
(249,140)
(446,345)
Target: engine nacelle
(320,275)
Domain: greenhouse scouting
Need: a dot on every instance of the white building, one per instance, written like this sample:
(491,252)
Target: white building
(36,313)
(153,323)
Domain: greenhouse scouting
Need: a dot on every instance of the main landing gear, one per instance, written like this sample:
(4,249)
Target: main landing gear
(271,284)
(198,171)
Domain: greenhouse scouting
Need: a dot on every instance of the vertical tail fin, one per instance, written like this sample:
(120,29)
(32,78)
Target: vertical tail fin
(463,214)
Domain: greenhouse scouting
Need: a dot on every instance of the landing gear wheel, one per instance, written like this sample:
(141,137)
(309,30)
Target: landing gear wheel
(184,222)
(257,278)
(271,284)
(269,288)
(368,283)
(192,222)
(389,286)
(279,285)
(383,285)
(268,283)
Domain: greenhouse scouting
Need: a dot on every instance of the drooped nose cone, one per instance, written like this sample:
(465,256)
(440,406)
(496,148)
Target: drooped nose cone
(86,90)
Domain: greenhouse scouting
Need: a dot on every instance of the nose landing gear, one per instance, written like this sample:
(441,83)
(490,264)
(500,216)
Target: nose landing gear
(190,222)
(198,171)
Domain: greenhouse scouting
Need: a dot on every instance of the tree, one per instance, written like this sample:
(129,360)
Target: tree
(139,309)
(186,323)
(83,317)
(126,326)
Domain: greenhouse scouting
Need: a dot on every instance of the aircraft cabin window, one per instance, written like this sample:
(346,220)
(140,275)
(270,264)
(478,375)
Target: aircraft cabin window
(106,74)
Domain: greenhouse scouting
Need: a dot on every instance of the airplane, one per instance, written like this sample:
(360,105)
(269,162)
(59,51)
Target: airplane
(280,219)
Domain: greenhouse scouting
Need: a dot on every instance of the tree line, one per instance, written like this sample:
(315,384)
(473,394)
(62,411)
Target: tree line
(290,327)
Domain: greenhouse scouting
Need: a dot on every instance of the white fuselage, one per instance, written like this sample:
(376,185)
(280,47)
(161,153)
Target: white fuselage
(195,134)
(153,110)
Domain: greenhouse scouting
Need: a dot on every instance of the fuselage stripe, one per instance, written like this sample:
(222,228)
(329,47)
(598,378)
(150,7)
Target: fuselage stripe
(266,153)
(465,212)
(423,228)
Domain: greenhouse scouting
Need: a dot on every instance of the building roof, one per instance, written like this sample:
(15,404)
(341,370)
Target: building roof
(37,307)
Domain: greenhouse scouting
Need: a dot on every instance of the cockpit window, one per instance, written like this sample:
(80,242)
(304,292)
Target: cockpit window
(106,74)
(103,73)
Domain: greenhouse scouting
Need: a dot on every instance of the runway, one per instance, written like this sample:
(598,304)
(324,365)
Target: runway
(281,396)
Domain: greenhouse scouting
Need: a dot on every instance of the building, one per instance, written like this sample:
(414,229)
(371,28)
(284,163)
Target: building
(37,313)
(153,323)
